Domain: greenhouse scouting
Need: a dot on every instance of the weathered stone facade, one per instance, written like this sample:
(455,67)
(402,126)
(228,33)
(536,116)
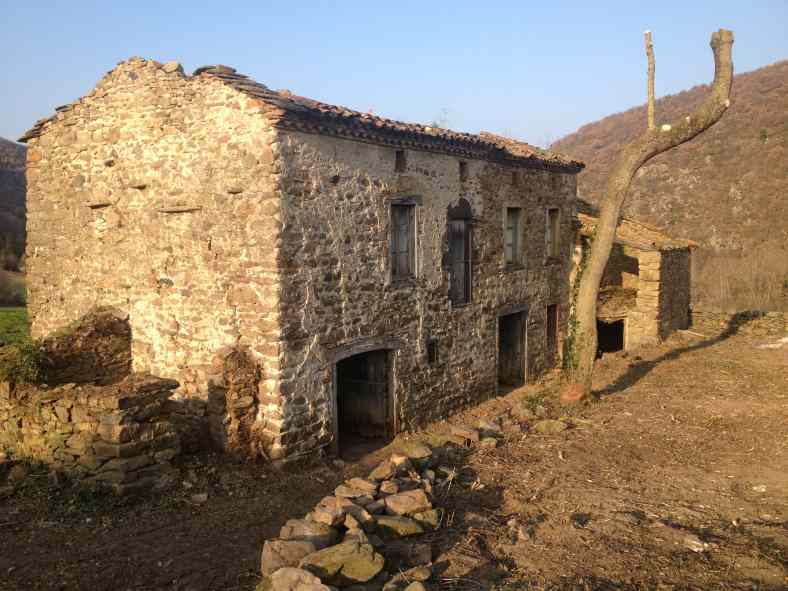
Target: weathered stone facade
(221,215)
(646,283)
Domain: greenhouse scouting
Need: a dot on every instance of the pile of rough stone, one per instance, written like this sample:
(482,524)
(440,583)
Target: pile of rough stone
(350,538)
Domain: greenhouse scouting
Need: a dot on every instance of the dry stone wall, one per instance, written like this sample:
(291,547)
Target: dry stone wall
(337,292)
(752,322)
(119,435)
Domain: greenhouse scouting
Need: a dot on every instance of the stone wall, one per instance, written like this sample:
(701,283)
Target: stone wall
(674,297)
(752,322)
(337,295)
(153,194)
(119,435)
(171,199)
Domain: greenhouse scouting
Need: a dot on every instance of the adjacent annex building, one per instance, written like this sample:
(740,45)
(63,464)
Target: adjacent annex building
(644,295)
(380,274)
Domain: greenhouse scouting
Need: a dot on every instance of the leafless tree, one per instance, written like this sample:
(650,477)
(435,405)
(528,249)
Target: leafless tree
(655,140)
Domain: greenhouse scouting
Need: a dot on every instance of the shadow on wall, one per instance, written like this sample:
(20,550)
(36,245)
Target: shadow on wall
(641,369)
(96,349)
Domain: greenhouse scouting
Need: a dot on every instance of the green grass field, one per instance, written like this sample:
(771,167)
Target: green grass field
(14,325)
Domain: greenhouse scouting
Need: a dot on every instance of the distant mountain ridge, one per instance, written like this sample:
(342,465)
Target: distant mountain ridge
(727,188)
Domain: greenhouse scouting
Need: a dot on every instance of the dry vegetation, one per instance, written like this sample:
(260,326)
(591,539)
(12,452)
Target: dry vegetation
(675,479)
(725,189)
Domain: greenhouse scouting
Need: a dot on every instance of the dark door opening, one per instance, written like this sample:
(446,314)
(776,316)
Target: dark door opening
(511,350)
(362,403)
(610,336)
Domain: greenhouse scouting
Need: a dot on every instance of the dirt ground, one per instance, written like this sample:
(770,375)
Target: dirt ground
(676,478)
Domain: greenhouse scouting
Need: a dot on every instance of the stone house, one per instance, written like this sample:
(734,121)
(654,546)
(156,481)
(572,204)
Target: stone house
(379,274)
(645,291)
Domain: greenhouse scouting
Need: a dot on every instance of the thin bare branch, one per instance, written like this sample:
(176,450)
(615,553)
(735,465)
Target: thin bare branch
(650,55)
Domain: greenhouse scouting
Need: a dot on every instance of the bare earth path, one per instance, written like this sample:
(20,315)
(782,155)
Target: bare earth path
(676,479)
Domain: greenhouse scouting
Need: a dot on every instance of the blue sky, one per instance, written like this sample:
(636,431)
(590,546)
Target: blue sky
(533,70)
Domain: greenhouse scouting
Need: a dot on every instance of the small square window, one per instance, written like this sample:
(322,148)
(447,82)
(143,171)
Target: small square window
(432,351)
(463,171)
(400,162)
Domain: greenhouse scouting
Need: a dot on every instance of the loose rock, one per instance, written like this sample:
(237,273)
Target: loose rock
(344,564)
(320,534)
(281,553)
(407,503)
(549,426)
(292,579)
(398,526)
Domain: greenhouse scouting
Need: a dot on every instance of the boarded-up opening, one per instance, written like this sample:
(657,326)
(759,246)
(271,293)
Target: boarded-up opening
(610,336)
(362,403)
(511,350)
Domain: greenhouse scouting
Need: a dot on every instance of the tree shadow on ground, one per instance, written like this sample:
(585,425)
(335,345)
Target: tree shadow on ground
(641,369)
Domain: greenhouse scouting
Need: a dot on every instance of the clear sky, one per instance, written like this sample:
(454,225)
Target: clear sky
(533,70)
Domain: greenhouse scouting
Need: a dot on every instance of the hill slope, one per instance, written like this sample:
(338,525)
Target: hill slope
(726,189)
(12,199)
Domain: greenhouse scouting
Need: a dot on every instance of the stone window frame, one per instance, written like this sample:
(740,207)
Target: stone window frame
(518,263)
(414,201)
(552,235)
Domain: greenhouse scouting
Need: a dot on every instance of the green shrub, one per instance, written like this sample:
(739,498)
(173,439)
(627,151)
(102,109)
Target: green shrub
(21,362)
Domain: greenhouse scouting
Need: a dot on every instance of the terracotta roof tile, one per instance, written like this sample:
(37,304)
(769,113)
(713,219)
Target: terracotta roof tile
(636,234)
(289,111)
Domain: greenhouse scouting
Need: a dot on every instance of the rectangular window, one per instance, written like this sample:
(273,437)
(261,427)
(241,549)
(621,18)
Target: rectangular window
(460,261)
(553,232)
(432,351)
(463,171)
(399,161)
(403,241)
(512,236)
(552,327)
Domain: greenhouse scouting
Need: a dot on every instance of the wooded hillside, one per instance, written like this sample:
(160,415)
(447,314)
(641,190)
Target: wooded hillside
(726,189)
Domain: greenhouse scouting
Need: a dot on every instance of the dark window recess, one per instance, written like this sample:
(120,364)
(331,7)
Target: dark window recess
(512,236)
(432,351)
(459,261)
(552,327)
(463,171)
(403,241)
(515,179)
(553,232)
(399,161)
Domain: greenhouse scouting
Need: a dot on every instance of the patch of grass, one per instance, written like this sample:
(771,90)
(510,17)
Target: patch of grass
(14,325)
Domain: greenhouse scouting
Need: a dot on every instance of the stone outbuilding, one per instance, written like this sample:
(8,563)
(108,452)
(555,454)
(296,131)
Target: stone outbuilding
(377,274)
(645,291)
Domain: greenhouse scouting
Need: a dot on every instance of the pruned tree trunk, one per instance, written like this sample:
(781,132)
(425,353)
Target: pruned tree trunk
(653,141)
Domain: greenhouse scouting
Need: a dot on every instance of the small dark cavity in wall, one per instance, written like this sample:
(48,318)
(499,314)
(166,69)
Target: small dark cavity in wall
(463,171)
